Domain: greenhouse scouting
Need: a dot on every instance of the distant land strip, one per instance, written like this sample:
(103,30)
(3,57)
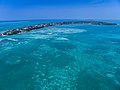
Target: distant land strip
(38,26)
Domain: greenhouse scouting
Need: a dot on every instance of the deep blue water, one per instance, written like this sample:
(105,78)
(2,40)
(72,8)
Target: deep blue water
(67,57)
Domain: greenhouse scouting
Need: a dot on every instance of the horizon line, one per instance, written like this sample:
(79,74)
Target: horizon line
(52,19)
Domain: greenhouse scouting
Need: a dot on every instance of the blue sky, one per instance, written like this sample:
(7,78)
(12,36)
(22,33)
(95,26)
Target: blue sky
(59,9)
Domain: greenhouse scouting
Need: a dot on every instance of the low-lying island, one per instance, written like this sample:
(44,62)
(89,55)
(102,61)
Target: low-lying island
(38,26)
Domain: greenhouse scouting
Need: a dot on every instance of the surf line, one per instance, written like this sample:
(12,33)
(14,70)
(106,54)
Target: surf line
(38,26)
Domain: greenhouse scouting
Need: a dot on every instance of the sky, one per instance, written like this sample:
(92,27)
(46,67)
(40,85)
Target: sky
(59,9)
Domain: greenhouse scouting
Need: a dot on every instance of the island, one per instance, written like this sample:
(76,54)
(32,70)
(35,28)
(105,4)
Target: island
(38,26)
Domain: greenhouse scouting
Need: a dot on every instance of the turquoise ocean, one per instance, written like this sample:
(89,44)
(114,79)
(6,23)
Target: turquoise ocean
(67,57)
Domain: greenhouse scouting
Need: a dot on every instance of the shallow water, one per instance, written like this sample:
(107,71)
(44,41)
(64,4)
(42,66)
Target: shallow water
(67,57)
